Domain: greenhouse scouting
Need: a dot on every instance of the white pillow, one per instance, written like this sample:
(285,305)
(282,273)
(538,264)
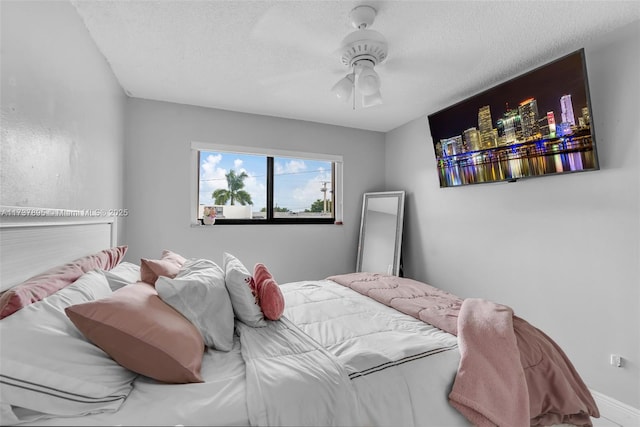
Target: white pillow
(199,294)
(239,284)
(49,369)
(122,275)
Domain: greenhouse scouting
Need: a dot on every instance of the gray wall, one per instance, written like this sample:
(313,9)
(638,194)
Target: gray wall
(62,112)
(563,251)
(158,177)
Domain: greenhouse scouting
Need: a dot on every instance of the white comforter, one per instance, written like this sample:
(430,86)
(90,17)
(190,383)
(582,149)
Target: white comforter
(402,368)
(293,381)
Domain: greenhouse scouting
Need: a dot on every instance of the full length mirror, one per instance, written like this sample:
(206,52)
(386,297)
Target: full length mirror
(381,233)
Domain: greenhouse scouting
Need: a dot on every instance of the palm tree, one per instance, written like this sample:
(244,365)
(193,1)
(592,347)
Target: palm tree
(235,191)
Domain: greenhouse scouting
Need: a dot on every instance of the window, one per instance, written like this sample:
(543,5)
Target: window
(239,185)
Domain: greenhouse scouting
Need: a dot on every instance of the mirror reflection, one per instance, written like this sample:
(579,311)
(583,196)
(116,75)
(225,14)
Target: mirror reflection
(381,233)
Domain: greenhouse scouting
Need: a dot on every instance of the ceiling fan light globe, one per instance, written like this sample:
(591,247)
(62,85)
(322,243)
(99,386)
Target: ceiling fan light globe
(372,100)
(368,84)
(368,79)
(344,87)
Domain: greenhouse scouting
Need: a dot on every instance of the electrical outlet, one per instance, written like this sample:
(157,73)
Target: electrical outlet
(616,360)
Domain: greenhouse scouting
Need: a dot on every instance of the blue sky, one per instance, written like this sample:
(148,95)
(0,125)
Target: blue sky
(297,185)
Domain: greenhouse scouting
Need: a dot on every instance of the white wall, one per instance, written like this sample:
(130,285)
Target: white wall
(62,112)
(158,175)
(563,251)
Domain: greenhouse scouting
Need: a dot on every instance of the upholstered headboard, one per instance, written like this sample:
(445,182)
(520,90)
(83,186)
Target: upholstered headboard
(33,240)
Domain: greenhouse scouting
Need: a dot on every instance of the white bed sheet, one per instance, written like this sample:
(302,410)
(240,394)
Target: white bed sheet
(219,401)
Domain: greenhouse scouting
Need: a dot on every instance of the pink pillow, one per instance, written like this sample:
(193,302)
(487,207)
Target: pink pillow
(270,296)
(271,299)
(169,255)
(142,333)
(168,266)
(42,285)
(261,273)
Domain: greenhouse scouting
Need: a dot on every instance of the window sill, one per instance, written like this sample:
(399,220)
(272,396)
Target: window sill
(277,221)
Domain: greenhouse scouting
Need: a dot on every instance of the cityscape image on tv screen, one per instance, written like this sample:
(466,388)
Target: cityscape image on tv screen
(533,125)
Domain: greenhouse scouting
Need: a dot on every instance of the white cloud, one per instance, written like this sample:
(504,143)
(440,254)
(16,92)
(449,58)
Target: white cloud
(292,166)
(212,176)
(311,191)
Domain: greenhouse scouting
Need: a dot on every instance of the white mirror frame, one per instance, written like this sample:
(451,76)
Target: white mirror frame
(392,263)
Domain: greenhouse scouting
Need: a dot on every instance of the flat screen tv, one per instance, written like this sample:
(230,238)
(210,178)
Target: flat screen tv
(536,124)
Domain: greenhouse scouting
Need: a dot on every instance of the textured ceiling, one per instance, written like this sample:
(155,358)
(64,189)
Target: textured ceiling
(279,58)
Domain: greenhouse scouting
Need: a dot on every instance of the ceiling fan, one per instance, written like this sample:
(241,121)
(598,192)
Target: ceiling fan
(361,50)
(352,67)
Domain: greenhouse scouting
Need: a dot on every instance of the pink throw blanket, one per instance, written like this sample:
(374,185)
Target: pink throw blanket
(511,374)
(490,387)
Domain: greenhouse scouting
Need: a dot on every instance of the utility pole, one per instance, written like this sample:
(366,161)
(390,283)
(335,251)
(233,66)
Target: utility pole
(324,194)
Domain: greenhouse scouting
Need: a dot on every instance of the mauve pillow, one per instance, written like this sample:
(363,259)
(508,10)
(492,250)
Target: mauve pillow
(42,285)
(270,296)
(142,333)
(169,265)
(167,254)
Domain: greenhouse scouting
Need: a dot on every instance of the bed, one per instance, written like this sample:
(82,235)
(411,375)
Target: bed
(234,347)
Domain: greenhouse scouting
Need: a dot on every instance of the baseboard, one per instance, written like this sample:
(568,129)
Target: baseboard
(616,411)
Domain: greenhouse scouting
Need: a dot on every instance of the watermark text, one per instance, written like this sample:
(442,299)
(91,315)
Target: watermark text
(43,212)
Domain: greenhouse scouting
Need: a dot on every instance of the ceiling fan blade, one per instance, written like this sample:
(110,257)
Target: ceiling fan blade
(281,27)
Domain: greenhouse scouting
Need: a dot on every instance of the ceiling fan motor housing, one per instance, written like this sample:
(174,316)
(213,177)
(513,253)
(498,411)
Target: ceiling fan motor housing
(363,44)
